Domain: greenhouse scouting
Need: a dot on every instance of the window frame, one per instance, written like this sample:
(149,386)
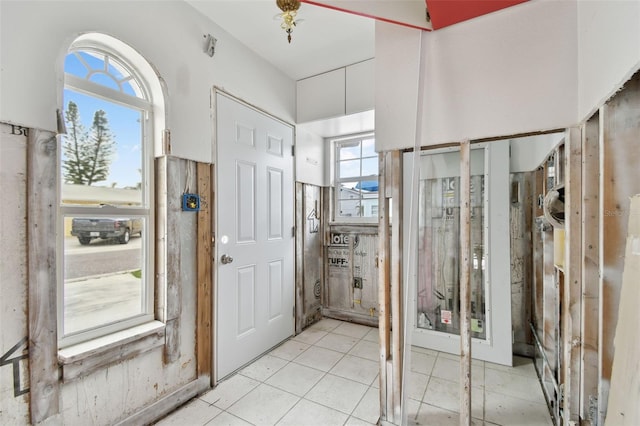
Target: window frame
(338,143)
(145,210)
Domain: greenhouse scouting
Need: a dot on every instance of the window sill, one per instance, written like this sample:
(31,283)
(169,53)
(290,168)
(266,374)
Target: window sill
(84,358)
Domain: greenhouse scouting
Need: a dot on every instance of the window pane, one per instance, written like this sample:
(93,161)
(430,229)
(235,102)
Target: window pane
(105,80)
(348,208)
(103,271)
(101,160)
(72,65)
(369,148)
(370,166)
(369,204)
(350,168)
(349,151)
(95,61)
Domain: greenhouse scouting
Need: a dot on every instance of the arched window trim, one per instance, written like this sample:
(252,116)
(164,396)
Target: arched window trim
(110,58)
(152,91)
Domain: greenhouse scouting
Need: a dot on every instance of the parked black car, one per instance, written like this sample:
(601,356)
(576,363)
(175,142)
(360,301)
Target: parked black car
(121,229)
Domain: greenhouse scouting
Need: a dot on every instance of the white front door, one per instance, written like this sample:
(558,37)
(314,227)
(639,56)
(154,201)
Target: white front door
(254,236)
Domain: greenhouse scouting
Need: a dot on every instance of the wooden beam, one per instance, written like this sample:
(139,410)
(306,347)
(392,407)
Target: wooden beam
(42,172)
(465,291)
(397,313)
(204,302)
(384,299)
(572,293)
(173,300)
(590,272)
(299,244)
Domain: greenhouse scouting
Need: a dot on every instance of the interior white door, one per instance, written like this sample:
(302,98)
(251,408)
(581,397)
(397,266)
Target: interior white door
(255,240)
(434,264)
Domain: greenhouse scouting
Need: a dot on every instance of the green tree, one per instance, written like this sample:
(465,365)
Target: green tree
(100,149)
(74,143)
(87,155)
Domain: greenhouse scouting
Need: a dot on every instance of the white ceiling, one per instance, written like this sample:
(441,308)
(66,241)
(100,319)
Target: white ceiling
(327,38)
(324,40)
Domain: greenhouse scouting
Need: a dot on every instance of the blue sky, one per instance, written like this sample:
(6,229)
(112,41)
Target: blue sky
(124,123)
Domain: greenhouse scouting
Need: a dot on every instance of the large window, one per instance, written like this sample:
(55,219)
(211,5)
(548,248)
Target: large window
(106,222)
(356,178)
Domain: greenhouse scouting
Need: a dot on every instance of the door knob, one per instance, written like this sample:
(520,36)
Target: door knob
(226,259)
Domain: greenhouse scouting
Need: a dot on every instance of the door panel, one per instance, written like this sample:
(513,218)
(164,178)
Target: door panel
(255,245)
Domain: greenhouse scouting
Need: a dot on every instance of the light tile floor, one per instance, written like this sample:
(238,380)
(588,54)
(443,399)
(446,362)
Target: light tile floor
(328,375)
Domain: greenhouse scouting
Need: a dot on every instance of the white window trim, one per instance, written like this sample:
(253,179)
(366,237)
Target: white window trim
(337,219)
(146,210)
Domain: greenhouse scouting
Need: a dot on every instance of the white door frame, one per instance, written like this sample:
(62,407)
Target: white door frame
(218,248)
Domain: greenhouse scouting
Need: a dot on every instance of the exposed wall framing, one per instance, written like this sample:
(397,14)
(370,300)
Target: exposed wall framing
(590,272)
(465,291)
(389,400)
(204,249)
(572,291)
(582,262)
(42,163)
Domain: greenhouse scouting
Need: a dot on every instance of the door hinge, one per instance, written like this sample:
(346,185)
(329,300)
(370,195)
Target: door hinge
(293,150)
(293,311)
(293,231)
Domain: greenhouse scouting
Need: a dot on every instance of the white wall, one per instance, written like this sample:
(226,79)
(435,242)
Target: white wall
(310,158)
(608,50)
(540,65)
(397,69)
(508,72)
(529,152)
(34,38)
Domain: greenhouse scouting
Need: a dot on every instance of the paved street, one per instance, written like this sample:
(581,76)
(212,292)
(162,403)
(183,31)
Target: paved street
(100,287)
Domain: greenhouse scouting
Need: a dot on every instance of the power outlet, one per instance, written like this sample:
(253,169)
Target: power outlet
(190,202)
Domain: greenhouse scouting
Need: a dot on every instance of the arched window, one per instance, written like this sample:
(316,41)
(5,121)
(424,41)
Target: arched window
(106,193)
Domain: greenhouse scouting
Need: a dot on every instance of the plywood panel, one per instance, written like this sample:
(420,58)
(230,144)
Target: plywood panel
(14,386)
(625,382)
(620,179)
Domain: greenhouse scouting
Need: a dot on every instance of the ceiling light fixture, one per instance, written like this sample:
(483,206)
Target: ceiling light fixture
(289,11)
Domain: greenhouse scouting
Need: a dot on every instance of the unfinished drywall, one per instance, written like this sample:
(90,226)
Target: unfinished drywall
(625,382)
(173,42)
(608,50)
(504,73)
(541,65)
